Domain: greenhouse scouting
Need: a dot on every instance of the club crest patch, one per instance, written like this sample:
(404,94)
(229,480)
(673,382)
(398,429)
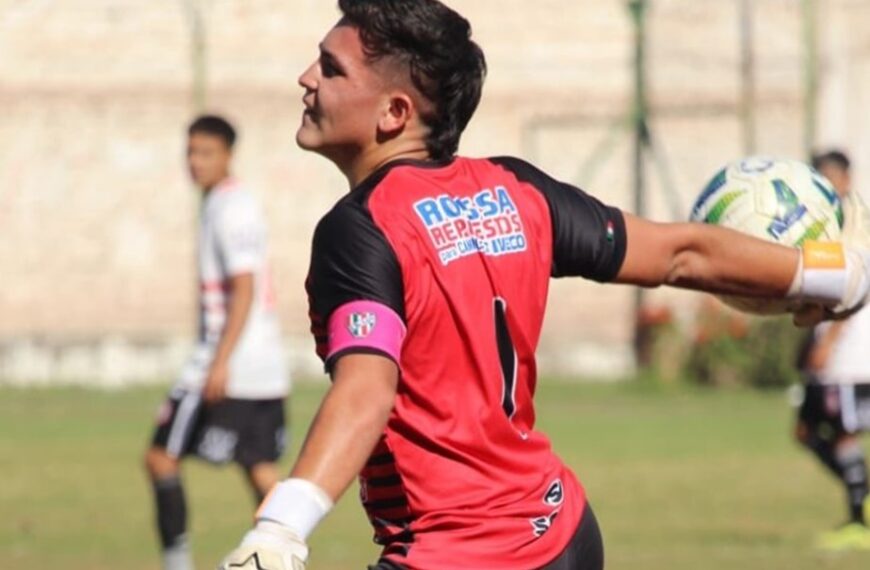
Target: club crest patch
(361,325)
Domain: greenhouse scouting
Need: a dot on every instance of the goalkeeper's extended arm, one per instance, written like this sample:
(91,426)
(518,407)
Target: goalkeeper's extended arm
(347,427)
(827,280)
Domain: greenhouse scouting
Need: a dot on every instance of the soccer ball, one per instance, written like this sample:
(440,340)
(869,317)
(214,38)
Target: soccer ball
(783,201)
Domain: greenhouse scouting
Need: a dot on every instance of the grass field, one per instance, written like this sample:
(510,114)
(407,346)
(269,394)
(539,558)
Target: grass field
(689,480)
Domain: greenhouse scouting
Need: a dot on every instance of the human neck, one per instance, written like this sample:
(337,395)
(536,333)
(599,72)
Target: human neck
(367,163)
(207,189)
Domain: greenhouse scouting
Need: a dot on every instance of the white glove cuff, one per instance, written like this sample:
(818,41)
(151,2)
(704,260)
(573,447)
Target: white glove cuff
(297,504)
(823,274)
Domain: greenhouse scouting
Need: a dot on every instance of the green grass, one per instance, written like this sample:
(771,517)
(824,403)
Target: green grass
(689,480)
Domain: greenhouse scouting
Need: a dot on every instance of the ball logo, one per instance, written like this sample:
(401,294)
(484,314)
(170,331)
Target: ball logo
(486,223)
(361,325)
(788,212)
(756,164)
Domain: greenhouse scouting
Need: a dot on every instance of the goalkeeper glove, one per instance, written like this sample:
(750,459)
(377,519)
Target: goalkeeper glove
(269,546)
(285,519)
(833,279)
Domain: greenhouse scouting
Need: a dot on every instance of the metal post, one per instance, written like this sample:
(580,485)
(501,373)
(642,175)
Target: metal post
(811,74)
(199,67)
(198,54)
(747,75)
(638,9)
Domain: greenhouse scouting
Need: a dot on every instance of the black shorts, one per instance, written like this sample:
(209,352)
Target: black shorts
(843,408)
(584,552)
(245,431)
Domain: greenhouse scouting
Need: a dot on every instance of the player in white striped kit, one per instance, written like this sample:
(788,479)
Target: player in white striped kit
(836,406)
(228,402)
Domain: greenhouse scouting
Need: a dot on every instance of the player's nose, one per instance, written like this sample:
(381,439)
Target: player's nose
(308,79)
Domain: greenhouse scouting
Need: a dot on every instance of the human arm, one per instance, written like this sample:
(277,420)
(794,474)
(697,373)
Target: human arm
(823,345)
(821,280)
(240,294)
(350,422)
(348,425)
(357,309)
(595,241)
(240,239)
(705,258)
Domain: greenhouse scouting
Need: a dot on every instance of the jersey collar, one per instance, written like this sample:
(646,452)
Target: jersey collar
(379,174)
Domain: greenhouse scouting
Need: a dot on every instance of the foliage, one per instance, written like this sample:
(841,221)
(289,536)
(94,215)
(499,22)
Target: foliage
(764,357)
(726,348)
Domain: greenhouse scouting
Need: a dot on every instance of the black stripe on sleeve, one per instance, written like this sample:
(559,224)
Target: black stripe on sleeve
(351,260)
(589,237)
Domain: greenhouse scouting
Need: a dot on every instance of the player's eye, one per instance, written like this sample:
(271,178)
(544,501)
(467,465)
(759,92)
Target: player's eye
(328,67)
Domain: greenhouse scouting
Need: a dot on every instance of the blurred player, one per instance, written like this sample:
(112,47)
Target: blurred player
(836,404)
(228,403)
(428,284)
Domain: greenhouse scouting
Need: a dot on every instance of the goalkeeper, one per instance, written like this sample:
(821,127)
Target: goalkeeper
(427,286)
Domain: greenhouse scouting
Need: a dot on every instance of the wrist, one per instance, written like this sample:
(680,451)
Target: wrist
(297,504)
(822,273)
(219,362)
(833,278)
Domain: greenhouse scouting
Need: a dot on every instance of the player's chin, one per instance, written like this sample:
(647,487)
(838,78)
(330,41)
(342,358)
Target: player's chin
(308,138)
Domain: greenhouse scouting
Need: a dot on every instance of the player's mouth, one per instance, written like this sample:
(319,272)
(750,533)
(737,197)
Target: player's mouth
(309,111)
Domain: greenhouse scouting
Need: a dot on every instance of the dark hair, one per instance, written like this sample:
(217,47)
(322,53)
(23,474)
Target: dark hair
(835,157)
(213,125)
(446,66)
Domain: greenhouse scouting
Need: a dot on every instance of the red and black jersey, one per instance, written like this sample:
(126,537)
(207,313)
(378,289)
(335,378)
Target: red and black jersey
(444,267)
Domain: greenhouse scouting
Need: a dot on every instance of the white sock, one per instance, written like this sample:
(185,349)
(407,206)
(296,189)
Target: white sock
(178,557)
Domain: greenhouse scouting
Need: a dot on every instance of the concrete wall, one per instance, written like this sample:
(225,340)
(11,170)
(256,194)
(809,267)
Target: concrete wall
(97,217)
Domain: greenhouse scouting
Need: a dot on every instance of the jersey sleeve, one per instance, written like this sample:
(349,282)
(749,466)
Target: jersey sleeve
(589,237)
(355,288)
(241,236)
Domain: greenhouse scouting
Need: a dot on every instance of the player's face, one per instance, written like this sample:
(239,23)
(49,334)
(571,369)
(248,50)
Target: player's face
(343,97)
(838,177)
(208,159)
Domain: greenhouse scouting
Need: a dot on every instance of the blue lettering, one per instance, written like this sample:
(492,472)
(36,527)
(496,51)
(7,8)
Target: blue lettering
(501,245)
(508,244)
(468,246)
(450,207)
(448,255)
(467,207)
(486,204)
(429,212)
(504,200)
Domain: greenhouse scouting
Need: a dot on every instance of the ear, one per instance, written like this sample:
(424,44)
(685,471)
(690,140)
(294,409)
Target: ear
(397,115)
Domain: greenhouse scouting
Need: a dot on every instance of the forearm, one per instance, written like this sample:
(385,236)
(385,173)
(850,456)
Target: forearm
(349,424)
(347,427)
(719,260)
(823,346)
(241,299)
(706,258)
